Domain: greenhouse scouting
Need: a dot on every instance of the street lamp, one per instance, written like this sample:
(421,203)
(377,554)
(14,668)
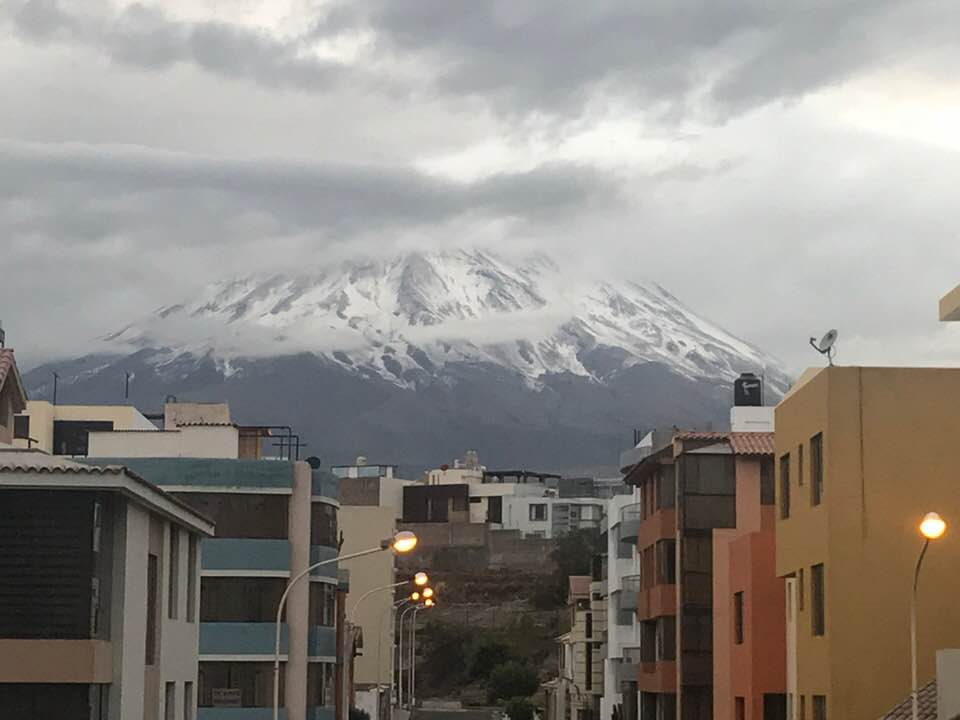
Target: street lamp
(420,579)
(426,604)
(402,542)
(403,614)
(932,527)
(428,593)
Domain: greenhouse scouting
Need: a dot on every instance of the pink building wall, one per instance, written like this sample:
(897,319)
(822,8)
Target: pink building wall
(744,561)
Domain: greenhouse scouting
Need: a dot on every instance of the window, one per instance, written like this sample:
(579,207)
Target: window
(323,524)
(170,702)
(666,638)
(819,707)
(738,617)
(800,465)
(192,580)
(589,625)
(768,492)
(323,604)
(803,707)
(785,486)
(237,684)
(320,684)
(666,562)
(648,567)
(173,581)
(816,469)
(243,515)
(188,702)
(800,589)
(588,666)
(231,599)
(666,488)
(21,427)
(648,641)
(153,569)
(740,709)
(71,437)
(538,512)
(818,615)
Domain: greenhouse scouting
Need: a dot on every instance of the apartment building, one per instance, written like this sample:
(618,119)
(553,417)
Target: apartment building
(13,398)
(99,601)
(620,586)
(275,517)
(708,603)
(862,455)
(577,692)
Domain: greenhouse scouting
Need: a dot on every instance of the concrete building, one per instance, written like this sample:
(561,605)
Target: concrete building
(63,429)
(99,602)
(274,519)
(13,398)
(709,605)
(371,498)
(862,455)
(577,691)
(621,586)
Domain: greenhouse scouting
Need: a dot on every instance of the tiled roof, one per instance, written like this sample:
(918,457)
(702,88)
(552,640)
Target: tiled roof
(752,443)
(203,423)
(8,368)
(700,435)
(926,705)
(580,584)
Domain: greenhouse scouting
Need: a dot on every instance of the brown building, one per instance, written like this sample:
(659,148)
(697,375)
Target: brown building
(862,455)
(706,507)
(13,398)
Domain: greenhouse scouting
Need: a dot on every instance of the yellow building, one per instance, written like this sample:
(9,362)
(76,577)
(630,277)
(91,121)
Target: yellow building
(862,454)
(63,429)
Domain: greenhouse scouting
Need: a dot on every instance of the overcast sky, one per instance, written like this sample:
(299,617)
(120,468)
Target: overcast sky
(781,167)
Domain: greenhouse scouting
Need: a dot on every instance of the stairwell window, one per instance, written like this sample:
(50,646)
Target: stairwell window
(538,512)
(738,617)
(173,581)
(818,614)
(785,486)
(816,469)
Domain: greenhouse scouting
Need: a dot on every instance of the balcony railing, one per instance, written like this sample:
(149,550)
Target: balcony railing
(630,591)
(630,519)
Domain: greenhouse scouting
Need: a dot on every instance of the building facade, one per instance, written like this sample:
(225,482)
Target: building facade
(100,603)
(13,398)
(274,519)
(861,455)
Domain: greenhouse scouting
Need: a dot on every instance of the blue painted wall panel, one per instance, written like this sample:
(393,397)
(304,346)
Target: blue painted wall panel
(241,638)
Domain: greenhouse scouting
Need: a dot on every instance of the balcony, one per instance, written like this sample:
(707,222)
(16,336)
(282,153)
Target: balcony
(630,518)
(241,639)
(629,596)
(657,677)
(223,555)
(658,601)
(323,552)
(322,642)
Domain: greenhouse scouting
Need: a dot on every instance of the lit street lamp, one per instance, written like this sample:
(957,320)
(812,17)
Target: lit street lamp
(932,527)
(402,542)
(420,579)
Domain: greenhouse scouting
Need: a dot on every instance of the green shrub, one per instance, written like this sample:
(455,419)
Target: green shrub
(519,708)
(511,680)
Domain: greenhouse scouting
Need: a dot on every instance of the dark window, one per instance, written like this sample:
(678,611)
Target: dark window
(803,707)
(243,515)
(801,590)
(709,475)
(237,684)
(188,702)
(696,632)
(173,580)
(785,486)
(192,580)
(738,618)
(589,625)
(320,684)
(819,707)
(249,600)
(70,437)
(323,604)
(648,577)
(153,571)
(818,616)
(588,666)
(667,706)
(666,487)
(21,701)
(323,525)
(775,706)
(495,510)
(816,469)
(667,638)
(666,562)
(768,491)
(170,702)
(21,427)
(538,512)
(740,709)
(800,465)
(648,641)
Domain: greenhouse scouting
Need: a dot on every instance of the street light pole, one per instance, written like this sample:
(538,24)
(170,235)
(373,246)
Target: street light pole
(402,542)
(400,668)
(413,661)
(932,527)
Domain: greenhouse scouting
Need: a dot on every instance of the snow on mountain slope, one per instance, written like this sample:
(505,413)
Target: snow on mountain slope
(407,317)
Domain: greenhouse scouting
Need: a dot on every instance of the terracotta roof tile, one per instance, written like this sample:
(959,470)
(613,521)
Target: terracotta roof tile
(580,584)
(926,705)
(8,369)
(700,435)
(752,443)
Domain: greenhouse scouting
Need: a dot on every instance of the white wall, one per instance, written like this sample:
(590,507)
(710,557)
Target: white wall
(194,442)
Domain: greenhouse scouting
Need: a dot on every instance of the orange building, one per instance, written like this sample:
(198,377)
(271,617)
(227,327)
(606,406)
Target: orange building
(710,604)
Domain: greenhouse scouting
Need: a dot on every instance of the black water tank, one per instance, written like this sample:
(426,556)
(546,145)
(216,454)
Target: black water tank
(747,391)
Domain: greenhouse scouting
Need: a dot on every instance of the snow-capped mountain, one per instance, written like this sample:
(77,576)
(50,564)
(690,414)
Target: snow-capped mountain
(411,360)
(406,318)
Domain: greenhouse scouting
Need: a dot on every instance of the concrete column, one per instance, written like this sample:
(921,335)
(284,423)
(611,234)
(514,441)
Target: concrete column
(298,602)
(128,614)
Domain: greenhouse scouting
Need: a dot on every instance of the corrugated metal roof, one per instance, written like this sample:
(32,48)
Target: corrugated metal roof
(926,705)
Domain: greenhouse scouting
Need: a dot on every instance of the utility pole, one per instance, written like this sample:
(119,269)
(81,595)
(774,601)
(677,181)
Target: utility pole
(56,379)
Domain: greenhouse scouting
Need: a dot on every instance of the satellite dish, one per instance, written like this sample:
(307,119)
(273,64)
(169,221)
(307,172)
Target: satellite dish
(825,346)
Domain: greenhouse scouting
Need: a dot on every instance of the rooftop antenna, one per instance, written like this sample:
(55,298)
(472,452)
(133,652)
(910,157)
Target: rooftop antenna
(825,346)
(126,385)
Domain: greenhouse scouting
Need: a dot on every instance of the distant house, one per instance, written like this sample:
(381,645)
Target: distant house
(13,398)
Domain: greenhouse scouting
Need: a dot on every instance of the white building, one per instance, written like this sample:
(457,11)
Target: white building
(99,614)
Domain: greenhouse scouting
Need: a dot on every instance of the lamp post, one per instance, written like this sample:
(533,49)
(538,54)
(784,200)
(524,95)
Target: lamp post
(420,579)
(402,542)
(932,527)
(426,604)
(400,668)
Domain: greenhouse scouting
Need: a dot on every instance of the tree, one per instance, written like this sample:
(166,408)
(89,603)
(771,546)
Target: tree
(488,654)
(511,680)
(573,554)
(519,708)
(443,648)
